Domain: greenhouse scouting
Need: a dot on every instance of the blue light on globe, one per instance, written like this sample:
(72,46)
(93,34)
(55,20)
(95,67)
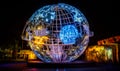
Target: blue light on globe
(68,34)
(57,33)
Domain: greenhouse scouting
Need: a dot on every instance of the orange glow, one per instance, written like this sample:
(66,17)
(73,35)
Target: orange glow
(99,54)
(39,27)
(102,53)
(31,55)
(40,40)
(117,38)
(109,40)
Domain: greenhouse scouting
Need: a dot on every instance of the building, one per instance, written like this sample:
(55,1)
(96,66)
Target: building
(102,53)
(107,50)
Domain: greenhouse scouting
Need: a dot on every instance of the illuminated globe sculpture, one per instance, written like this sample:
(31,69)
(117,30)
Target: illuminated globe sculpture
(57,33)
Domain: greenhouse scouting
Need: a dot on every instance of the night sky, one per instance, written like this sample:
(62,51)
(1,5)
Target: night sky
(15,13)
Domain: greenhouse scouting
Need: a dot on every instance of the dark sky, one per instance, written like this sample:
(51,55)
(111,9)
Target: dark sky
(15,13)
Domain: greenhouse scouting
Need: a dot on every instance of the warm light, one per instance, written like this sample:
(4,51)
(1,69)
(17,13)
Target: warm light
(31,55)
(40,28)
(109,40)
(99,53)
(40,40)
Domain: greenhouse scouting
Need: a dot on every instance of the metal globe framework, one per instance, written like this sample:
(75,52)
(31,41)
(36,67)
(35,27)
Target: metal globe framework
(57,33)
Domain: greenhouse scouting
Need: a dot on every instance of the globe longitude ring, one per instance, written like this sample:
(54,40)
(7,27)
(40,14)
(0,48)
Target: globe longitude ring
(57,33)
